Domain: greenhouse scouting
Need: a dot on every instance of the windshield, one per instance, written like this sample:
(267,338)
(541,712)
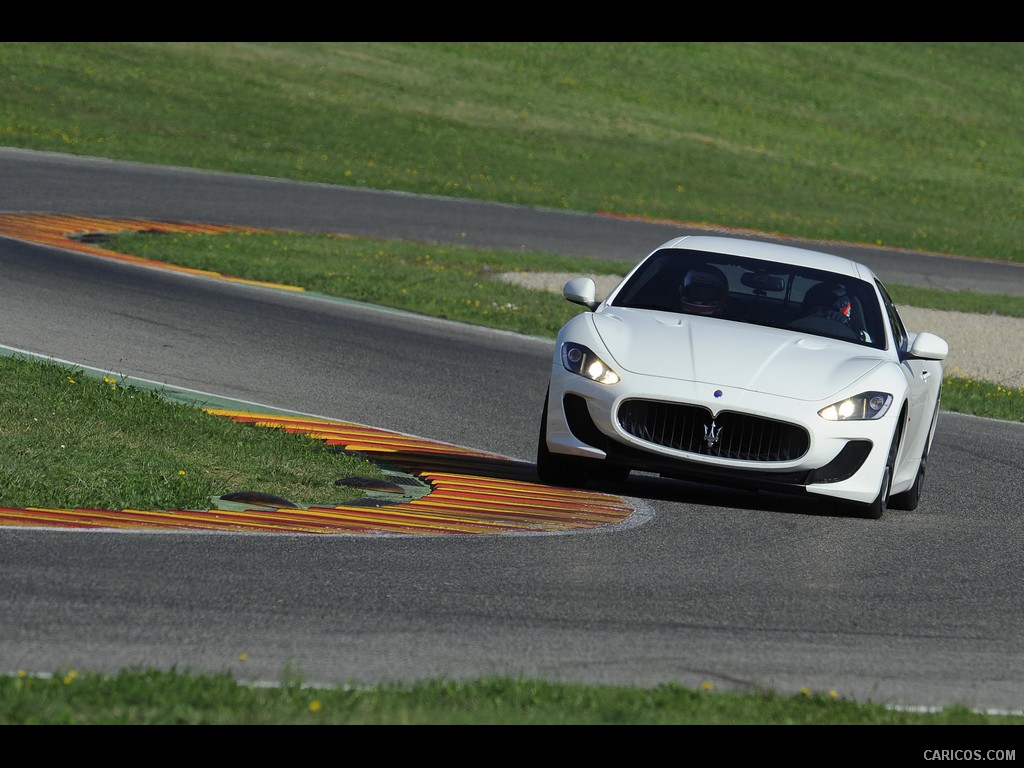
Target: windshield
(752,291)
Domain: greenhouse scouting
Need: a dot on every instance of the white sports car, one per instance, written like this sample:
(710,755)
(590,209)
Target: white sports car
(744,363)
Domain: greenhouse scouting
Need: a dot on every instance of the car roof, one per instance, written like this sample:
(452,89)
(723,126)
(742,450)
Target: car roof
(784,254)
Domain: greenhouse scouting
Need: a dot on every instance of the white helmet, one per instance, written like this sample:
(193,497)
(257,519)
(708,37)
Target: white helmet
(704,290)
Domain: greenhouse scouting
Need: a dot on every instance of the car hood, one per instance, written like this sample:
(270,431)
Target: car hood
(732,354)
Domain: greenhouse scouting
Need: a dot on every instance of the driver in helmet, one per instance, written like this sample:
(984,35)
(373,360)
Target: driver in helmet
(704,291)
(830,300)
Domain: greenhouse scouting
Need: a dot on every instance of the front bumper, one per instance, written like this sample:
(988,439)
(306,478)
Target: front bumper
(843,460)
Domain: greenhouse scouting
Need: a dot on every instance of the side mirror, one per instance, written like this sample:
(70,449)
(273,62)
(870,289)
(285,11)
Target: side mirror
(581,290)
(928,346)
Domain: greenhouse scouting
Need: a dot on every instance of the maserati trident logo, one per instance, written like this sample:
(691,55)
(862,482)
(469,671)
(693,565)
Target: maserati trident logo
(711,434)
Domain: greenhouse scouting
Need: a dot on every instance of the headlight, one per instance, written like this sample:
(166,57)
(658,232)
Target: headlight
(579,360)
(865,406)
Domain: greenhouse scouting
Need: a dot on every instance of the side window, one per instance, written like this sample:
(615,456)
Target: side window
(801,284)
(899,331)
(733,273)
(656,283)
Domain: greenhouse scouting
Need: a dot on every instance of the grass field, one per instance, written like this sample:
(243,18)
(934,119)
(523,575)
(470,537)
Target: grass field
(913,145)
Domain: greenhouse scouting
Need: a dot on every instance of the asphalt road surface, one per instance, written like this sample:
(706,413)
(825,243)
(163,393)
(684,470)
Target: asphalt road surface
(743,591)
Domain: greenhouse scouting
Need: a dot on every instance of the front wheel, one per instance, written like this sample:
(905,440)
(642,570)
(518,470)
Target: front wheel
(877,508)
(910,498)
(552,468)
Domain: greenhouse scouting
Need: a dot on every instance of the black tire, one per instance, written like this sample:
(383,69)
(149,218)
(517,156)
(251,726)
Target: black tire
(614,474)
(553,469)
(910,498)
(876,508)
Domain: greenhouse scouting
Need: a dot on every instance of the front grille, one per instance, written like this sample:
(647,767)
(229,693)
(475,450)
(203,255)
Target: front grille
(727,435)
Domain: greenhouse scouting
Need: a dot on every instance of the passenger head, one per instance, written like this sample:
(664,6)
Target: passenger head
(704,290)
